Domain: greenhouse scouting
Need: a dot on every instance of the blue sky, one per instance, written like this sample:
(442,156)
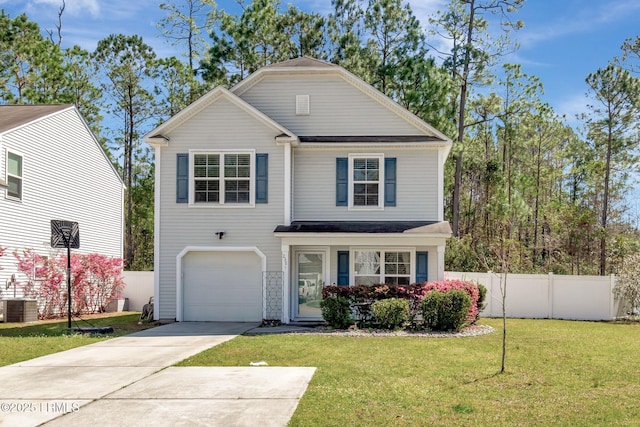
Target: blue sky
(562,41)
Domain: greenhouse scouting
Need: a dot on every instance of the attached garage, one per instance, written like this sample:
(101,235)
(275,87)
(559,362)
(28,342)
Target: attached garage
(220,285)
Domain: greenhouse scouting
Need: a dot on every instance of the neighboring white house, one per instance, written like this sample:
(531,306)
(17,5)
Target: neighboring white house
(299,176)
(52,167)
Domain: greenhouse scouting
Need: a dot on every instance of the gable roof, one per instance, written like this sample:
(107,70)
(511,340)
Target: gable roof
(153,137)
(14,116)
(303,61)
(309,65)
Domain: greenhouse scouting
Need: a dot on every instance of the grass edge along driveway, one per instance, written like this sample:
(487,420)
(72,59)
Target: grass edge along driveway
(561,373)
(24,341)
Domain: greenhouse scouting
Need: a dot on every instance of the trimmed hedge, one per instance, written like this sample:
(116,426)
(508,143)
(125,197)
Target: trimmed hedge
(391,313)
(445,311)
(336,311)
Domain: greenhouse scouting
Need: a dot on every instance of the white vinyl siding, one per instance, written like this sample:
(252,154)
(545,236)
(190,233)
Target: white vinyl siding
(219,127)
(314,184)
(66,176)
(338,108)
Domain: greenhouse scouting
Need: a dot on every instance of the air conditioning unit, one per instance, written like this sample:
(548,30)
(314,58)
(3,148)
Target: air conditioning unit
(20,310)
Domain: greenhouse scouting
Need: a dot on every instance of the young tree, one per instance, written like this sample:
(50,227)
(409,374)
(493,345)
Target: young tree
(508,214)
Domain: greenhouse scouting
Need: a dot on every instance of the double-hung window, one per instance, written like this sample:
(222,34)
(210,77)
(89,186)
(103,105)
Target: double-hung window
(223,178)
(366,175)
(372,267)
(14,176)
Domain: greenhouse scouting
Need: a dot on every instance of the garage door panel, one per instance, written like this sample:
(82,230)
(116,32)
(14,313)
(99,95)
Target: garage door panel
(222,287)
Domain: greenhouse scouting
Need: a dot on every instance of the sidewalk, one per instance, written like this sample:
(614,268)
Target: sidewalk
(128,381)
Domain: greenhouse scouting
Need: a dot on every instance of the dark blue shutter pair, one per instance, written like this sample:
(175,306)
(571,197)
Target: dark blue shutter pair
(342,181)
(182,178)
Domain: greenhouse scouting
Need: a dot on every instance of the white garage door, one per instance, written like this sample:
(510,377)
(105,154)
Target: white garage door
(222,287)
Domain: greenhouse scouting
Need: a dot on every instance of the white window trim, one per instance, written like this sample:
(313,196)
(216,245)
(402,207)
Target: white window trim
(352,261)
(380,158)
(6,175)
(222,204)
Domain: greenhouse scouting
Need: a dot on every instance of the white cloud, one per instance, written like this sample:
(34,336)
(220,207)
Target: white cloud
(73,7)
(571,106)
(571,20)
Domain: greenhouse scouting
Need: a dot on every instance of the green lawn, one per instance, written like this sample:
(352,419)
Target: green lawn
(559,373)
(24,341)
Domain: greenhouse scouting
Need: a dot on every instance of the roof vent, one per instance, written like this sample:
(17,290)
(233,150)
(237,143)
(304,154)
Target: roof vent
(302,105)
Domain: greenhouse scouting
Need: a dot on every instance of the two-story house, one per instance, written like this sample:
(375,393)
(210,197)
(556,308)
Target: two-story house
(53,168)
(301,175)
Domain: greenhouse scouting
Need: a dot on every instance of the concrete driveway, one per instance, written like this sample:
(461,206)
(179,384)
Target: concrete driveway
(128,381)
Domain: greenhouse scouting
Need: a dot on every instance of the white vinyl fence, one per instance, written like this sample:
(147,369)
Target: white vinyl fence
(528,295)
(547,295)
(138,289)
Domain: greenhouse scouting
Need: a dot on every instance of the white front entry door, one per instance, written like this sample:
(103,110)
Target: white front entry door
(310,278)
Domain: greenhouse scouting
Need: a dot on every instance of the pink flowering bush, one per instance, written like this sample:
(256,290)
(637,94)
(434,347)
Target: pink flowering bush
(96,280)
(449,285)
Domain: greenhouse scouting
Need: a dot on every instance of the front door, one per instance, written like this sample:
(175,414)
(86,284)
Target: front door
(310,270)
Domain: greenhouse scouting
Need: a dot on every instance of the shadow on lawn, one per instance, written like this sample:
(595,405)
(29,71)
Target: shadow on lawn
(122,325)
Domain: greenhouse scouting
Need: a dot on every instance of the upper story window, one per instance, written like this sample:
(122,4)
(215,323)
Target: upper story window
(366,176)
(223,178)
(14,176)
(366,181)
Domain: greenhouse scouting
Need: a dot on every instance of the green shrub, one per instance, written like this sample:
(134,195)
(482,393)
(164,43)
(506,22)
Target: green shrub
(391,313)
(336,312)
(445,311)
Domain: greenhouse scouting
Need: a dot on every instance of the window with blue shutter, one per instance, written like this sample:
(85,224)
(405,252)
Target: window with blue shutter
(422,267)
(342,181)
(182,178)
(343,268)
(262,177)
(390,181)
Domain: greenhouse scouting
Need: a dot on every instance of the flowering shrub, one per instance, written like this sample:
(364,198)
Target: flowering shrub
(449,285)
(96,280)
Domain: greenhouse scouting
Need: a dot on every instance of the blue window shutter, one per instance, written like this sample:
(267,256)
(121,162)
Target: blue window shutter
(390,181)
(342,181)
(262,177)
(343,268)
(182,178)
(422,267)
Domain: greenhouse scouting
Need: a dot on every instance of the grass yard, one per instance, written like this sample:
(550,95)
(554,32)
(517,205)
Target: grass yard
(24,341)
(559,373)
